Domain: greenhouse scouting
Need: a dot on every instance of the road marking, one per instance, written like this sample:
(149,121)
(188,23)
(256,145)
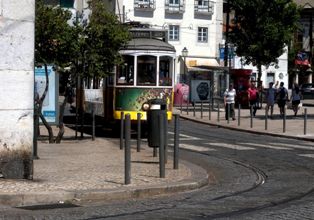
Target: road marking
(266,146)
(230,146)
(196,148)
(185,137)
(306,155)
(295,146)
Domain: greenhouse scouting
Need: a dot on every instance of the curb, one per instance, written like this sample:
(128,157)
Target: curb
(198,179)
(246,130)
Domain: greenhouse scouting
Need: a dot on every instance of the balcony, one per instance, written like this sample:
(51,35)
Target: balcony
(144,5)
(172,8)
(203,7)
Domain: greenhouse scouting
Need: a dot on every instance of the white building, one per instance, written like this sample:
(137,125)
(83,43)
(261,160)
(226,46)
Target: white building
(192,24)
(273,73)
(16,87)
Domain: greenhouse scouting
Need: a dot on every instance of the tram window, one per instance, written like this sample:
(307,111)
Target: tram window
(125,71)
(165,74)
(146,70)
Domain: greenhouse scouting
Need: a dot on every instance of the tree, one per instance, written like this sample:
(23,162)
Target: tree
(104,35)
(90,48)
(54,45)
(262,29)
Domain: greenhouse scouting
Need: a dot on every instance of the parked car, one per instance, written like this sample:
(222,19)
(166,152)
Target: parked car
(307,90)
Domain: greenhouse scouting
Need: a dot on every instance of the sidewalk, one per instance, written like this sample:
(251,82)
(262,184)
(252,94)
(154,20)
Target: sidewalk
(294,125)
(85,170)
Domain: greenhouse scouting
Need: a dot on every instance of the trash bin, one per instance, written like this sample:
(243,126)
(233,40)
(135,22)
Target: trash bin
(157,107)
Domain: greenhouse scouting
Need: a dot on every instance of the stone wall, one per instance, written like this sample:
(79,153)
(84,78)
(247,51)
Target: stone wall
(16,87)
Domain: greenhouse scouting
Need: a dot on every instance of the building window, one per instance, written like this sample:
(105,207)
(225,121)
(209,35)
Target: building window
(146,5)
(203,6)
(174,32)
(202,35)
(202,3)
(270,78)
(174,6)
(174,2)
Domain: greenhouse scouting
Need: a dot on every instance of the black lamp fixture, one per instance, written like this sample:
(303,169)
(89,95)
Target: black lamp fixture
(184,54)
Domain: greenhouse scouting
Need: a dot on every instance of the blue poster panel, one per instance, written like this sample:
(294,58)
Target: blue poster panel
(50,104)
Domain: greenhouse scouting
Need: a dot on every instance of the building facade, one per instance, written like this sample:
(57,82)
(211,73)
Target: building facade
(303,43)
(194,29)
(17,20)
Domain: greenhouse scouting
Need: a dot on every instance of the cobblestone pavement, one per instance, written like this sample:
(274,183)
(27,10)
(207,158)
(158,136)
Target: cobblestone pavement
(76,169)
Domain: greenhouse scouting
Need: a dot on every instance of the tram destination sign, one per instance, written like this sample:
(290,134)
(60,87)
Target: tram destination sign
(148,33)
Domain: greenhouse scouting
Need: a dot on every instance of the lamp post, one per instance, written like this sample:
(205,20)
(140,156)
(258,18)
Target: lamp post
(185,53)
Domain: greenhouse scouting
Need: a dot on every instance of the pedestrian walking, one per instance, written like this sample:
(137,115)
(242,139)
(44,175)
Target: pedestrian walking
(295,98)
(253,97)
(270,98)
(282,98)
(229,100)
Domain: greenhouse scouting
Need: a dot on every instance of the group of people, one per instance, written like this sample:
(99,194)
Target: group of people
(272,94)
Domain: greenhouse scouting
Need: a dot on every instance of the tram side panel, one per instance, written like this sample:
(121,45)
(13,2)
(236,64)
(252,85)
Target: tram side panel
(131,100)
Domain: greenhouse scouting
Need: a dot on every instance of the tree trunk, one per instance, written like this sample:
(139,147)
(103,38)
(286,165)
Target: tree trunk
(259,70)
(61,124)
(50,132)
(39,104)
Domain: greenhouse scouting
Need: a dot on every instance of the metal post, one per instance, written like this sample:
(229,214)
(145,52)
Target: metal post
(251,116)
(35,137)
(305,120)
(187,108)
(127,151)
(181,105)
(201,109)
(176,142)
(82,123)
(228,113)
(284,120)
(138,149)
(266,118)
(194,109)
(166,138)
(121,130)
(239,114)
(93,121)
(209,112)
(161,147)
(218,112)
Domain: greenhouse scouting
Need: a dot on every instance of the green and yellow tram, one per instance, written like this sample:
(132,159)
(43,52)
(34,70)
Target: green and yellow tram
(147,73)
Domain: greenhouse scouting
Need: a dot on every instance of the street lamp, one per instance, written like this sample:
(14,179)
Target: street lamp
(184,53)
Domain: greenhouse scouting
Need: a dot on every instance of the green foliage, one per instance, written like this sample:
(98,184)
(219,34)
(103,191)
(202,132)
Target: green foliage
(54,37)
(104,35)
(262,29)
(93,44)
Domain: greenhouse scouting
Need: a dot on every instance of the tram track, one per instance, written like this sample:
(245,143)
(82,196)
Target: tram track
(261,178)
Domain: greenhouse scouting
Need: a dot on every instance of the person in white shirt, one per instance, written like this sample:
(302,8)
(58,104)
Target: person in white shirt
(295,98)
(229,100)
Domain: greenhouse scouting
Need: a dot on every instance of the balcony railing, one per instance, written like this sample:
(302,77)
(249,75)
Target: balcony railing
(144,5)
(175,8)
(207,8)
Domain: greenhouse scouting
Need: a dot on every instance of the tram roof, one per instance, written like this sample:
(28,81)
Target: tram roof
(148,44)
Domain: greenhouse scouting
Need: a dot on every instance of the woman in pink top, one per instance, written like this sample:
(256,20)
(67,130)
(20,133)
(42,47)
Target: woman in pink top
(253,97)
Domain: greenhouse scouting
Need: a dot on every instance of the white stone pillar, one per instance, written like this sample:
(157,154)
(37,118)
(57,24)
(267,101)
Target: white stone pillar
(16,87)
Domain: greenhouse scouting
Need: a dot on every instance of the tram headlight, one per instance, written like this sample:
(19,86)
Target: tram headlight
(145,106)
